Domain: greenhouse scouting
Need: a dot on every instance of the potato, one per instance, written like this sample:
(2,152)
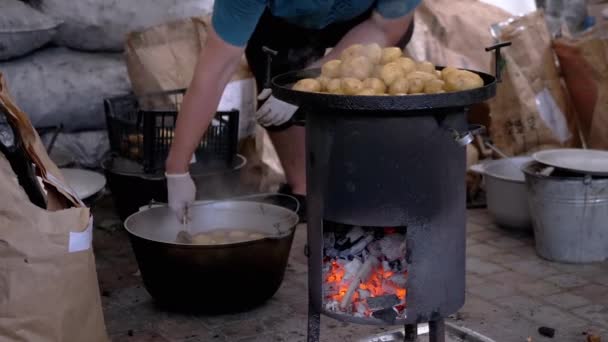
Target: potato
(390,72)
(377,72)
(462,80)
(375,84)
(390,54)
(426,67)
(417,79)
(433,86)
(331,69)
(357,67)
(438,74)
(308,84)
(400,86)
(352,51)
(446,71)
(351,85)
(366,92)
(323,81)
(237,234)
(407,64)
(373,52)
(334,86)
(256,236)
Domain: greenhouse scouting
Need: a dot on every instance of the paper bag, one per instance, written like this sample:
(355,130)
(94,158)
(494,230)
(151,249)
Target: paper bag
(49,283)
(455,33)
(529,111)
(584,65)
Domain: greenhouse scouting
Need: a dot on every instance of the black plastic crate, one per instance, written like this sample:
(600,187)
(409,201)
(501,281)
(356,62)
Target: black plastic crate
(142,129)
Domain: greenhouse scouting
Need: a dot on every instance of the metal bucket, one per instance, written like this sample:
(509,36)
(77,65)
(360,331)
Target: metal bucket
(569,215)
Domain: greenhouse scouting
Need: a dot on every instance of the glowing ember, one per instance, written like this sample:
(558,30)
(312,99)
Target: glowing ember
(370,275)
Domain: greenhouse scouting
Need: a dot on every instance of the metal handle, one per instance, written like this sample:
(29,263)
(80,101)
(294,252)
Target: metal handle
(465,138)
(499,63)
(269,54)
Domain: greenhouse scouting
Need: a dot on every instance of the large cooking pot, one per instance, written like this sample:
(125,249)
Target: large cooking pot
(213,278)
(506,196)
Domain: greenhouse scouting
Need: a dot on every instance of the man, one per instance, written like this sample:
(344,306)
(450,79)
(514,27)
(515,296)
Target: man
(300,31)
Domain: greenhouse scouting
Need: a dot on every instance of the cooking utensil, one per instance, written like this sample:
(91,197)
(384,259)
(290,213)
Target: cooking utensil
(506,195)
(214,278)
(592,162)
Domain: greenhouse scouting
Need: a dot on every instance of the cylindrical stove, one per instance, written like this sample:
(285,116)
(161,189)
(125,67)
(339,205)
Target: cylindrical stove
(386,204)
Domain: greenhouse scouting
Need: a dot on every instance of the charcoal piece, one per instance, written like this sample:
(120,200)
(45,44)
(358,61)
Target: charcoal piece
(386,315)
(357,248)
(382,302)
(546,331)
(395,265)
(355,234)
(399,279)
(329,240)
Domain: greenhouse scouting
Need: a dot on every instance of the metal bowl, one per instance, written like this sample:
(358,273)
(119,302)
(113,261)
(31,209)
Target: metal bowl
(213,278)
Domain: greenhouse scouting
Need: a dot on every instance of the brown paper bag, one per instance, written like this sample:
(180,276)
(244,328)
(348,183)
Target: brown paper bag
(529,111)
(455,33)
(49,283)
(584,65)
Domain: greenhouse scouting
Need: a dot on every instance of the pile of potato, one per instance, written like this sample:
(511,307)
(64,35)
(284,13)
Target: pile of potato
(372,70)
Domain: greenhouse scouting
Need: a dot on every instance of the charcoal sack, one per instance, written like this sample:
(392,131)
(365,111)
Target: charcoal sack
(60,86)
(23,29)
(102,25)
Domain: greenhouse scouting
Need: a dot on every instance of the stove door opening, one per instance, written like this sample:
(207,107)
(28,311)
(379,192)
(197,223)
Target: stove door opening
(365,271)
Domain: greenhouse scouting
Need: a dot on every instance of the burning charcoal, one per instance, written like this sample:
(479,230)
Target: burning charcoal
(351,269)
(382,302)
(358,247)
(393,246)
(363,294)
(355,234)
(387,315)
(362,275)
(396,265)
(332,252)
(400,309)
(386,266)
(331,305)
(360,307)
(399,279)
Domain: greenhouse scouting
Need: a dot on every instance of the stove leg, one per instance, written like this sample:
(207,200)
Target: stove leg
(437,330)
(314,325)
(411,333)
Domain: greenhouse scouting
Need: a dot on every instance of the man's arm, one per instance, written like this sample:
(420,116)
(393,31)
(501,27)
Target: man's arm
(216,65)
(377,29)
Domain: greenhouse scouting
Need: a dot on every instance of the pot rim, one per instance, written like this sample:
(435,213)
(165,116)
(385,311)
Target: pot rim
(487,168)
(293,216)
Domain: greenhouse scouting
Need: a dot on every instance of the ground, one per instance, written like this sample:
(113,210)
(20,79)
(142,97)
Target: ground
(511,292)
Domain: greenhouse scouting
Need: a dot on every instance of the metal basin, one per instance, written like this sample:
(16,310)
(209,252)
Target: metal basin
(569,214)
(213,278)
(506,194)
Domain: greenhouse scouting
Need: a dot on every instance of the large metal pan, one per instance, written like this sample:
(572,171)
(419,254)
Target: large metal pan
(213,278)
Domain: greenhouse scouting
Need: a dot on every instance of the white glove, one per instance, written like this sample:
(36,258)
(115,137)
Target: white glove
(182,192)
(273,112)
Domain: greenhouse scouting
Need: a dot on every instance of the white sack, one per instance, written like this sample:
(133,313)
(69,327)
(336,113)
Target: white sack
(58,85)
(102,25)
(23,29)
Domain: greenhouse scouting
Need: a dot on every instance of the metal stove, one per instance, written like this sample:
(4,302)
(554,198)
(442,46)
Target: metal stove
(386,165)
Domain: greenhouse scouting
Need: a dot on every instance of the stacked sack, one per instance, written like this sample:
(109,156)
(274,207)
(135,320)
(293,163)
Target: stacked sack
(64,57)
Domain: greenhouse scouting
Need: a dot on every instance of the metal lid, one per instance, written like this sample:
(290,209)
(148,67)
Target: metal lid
(591,162)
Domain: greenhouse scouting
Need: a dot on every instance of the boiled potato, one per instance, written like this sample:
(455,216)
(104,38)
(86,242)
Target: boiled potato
(417,79)
(407,64)
(426,67)
(390,54)
(399,87)
(390,72)
(462,80)
(331,69)
(334,86)
(375,84)
(352,51)
(351,85)
(323,81)
(377,72)
(357,67)
(433,86)
(366,92)
(308,84)
(446,71)
(373,52)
